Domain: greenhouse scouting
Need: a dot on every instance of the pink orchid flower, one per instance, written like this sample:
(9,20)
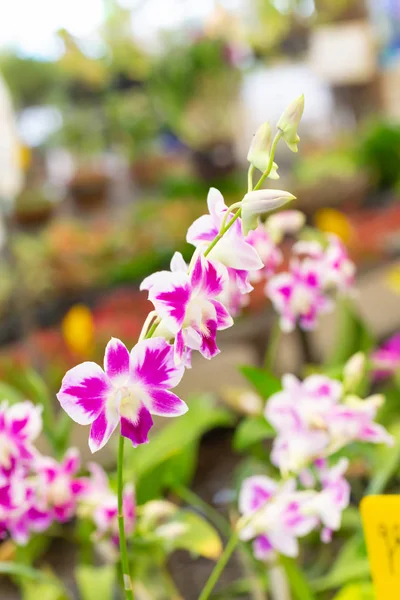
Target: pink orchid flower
(59,488)
(188,305)
(273,516)
(232,250)
(132,387)
(20,425)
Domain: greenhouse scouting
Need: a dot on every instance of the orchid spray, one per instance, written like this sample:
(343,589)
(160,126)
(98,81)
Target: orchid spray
(190,306)
(192,302)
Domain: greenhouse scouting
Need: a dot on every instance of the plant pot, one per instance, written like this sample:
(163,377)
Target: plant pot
(214,162)
(89,187)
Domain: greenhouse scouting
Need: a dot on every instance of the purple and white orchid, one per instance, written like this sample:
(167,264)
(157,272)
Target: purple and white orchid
(273,516)
(131,388)
(313,419)
(188,306)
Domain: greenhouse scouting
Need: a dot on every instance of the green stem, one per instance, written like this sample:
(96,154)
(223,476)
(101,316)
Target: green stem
(121,525)
(212,515)
(250,178)
(273,343)
(220,566)
(267,171)
(152,329)
(222,232)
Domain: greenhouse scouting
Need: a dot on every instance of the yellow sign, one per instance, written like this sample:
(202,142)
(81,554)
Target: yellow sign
(381,522)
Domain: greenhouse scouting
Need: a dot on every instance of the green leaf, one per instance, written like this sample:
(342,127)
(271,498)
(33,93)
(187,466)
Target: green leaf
(386,464)
(264,383)
(351,565)
(356,591)
(32,590)
(34,582)
(8,392)
(299,585)
(250,431)
(95,582)
(171,443)
(352,335)
(197,535)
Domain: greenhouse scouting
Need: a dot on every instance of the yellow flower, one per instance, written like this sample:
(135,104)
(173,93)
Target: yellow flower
(330,220)
(78,329)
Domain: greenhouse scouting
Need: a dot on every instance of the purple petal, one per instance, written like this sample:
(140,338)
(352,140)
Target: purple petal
(215,277)
(224,319)
(83,392)
(116,359)
(166,404)
(102,429)
(179,346)
(137,430)
(152,363)
(208,333)
(170,296)
(255,492)
(202,230)
(71,462)
(262,548)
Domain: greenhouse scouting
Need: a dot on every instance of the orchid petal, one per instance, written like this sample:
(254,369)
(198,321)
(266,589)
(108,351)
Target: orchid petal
(166,404)
(137,430)
(83,392)
(116,359)
(224,319)
(201,230)
(152,363)
(178,263)
(102,428)
(170,296)
(255,492)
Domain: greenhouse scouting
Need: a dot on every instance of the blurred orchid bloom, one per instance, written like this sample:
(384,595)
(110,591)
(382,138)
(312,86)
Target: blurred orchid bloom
(273,516)
(386,359)
(132,387)
(313,420)
(20,426)
(267,250)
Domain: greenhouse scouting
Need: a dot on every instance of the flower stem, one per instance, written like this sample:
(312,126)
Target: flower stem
(267,171)
(121,525)
(220,566)
(273,343)
(223,231)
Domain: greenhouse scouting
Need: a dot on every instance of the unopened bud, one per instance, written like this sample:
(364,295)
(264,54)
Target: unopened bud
(259,151)
(289,122)
(259,202)
(354,371)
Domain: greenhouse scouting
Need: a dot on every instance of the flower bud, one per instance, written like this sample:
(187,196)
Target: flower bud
(289,122)
(354,371)
(259,202)
(259,151)
(285,222)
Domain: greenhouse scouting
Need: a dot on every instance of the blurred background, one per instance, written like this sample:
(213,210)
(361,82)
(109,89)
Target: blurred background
(116,116)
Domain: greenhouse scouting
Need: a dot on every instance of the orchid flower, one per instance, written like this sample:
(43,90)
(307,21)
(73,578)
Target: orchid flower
(188,305)
(132,387)
(273,516)
(20,425)
(232,250)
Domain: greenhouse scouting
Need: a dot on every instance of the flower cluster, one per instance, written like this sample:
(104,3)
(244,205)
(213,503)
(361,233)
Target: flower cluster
(314,419)
(275,516)
(191,304)
(37,491)
(302,293)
